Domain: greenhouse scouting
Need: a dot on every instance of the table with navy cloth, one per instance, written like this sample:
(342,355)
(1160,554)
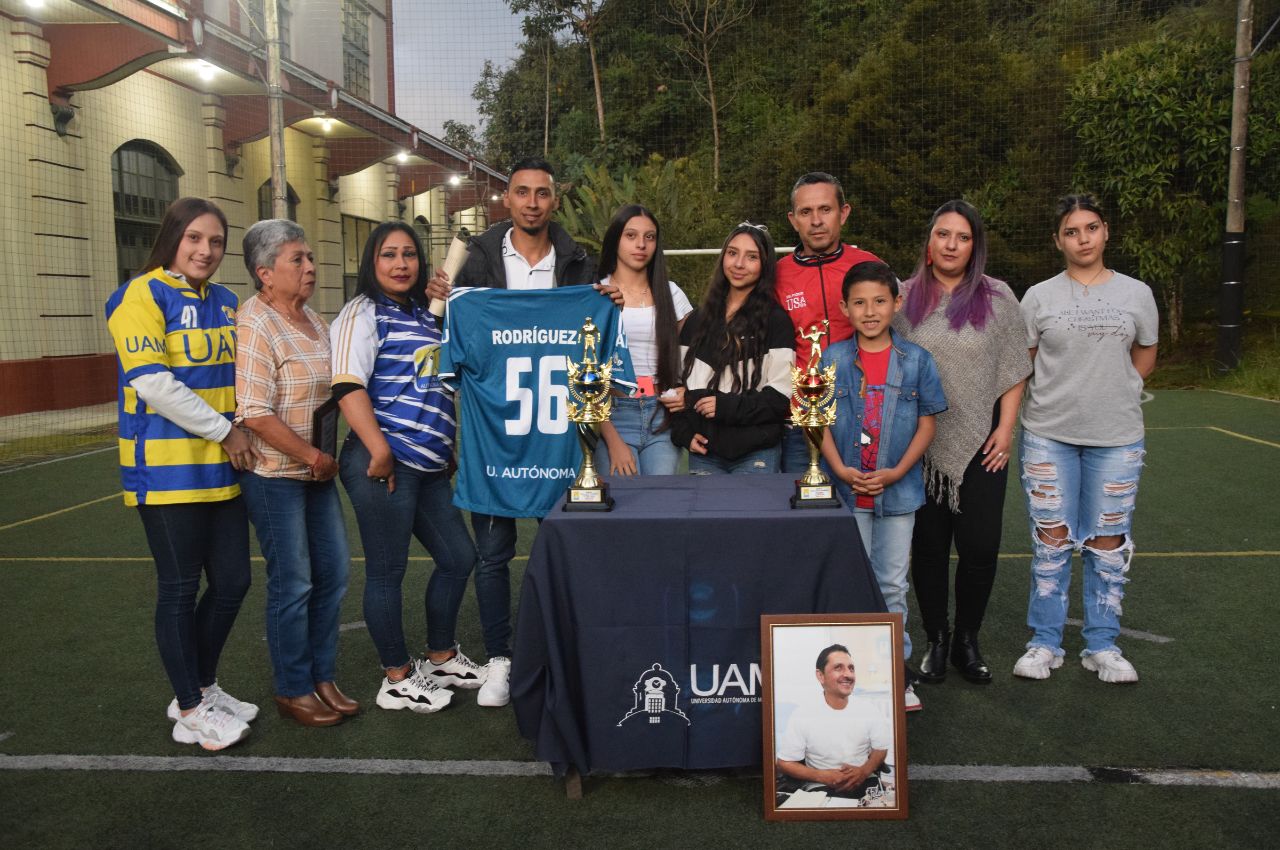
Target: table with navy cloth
(638,634)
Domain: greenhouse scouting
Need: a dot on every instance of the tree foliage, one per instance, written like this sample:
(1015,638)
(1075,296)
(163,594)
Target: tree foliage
(1154,122)
(910,103)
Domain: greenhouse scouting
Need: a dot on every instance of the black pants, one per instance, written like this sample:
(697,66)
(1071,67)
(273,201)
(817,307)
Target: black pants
(187,540)
(976,532)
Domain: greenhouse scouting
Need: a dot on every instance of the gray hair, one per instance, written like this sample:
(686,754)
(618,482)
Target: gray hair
(263,241)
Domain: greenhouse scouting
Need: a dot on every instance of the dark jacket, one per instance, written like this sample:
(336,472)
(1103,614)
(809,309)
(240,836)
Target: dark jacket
(746,421)
(484,266)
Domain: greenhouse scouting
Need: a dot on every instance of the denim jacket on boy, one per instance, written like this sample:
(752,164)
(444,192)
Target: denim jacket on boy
(912,389)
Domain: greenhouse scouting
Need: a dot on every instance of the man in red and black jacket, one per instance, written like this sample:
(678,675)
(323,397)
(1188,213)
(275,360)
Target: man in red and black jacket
(809,280)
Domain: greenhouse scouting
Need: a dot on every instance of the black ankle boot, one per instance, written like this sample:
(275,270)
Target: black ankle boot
(968,658)
(933,667)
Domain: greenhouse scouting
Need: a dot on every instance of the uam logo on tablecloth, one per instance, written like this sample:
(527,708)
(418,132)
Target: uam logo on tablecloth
(656,694)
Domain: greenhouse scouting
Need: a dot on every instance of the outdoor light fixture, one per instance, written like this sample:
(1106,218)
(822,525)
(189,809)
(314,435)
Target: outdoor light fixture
(455,180)
(35,4)
(206,71)
(327,125)
(495,197)
(402,157)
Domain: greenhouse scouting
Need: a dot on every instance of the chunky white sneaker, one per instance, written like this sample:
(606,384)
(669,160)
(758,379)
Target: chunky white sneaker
(458,672)
(1036,663)
(912,701)
(246,711)
(1110,666)
(210,727)
(496,690)
(414,692)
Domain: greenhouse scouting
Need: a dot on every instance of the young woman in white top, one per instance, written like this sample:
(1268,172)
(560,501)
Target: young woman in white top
(1092,334)
(655,309)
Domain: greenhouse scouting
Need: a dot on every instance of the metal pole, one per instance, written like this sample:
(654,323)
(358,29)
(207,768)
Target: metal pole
(1231,291)
(275,111)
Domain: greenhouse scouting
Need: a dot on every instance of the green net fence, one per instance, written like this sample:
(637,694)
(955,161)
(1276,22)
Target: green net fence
(705,111)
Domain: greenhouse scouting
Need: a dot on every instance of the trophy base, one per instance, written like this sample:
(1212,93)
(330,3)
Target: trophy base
(588,499)
(814,496)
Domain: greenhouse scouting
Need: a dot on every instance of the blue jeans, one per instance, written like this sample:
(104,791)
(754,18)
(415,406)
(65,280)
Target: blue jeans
(795,451)
(186,540)
(636,419)
(759,462)
(304,540)
(888,543)
(1090,491)
(496,542)
(421,507)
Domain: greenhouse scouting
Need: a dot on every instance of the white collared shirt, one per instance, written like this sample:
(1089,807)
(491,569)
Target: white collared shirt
(521,275)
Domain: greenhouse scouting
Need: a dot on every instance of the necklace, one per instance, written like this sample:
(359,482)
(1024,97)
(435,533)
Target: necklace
(300,323)
(637,296)
(1092,280)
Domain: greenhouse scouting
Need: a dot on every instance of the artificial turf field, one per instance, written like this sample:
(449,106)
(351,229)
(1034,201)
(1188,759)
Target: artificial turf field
(86,759)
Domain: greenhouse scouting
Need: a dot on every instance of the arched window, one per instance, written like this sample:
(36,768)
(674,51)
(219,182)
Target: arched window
(264,201)
(144,181)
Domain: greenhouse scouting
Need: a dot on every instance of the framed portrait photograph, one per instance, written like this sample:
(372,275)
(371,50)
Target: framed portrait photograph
(835,739)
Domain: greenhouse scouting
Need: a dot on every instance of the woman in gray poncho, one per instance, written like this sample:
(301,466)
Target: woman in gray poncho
(972,326)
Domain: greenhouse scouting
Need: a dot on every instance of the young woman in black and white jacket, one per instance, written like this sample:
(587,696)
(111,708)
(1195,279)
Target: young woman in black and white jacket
(736,351)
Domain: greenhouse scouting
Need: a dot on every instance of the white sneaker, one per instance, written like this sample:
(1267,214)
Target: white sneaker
(1110,666)
(414,692)
(457,672)
(241,710)
(210,727)
(496,690)
(912,701)
(1037,662)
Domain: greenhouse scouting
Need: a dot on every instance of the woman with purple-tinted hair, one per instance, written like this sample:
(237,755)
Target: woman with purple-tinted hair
(972,326)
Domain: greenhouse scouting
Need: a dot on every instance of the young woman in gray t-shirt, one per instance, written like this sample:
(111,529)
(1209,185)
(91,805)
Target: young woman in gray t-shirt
(1092,333)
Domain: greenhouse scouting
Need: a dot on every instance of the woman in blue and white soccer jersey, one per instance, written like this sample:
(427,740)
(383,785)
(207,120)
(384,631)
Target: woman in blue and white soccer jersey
(738,348)
(396,465)
(174,333)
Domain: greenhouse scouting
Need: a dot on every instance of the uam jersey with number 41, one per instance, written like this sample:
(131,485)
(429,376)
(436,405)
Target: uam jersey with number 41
(507,352)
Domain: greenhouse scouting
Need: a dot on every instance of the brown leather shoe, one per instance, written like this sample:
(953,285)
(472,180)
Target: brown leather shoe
(307,710)
(336,699)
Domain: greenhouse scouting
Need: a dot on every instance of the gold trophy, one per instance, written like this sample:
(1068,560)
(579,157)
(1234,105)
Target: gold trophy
(813,409)
(591,403)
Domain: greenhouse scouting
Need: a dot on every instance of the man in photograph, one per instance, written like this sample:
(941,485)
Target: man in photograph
(837,742)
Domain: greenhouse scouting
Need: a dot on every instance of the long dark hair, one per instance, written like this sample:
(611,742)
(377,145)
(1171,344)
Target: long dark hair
(177,217)
(668,338)
(367,276)
(971,299)
(742,340)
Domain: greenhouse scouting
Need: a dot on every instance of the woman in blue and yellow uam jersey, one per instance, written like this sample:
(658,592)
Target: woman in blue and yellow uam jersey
(175,338)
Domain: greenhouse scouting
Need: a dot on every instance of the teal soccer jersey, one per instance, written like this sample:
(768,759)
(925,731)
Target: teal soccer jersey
(507,352)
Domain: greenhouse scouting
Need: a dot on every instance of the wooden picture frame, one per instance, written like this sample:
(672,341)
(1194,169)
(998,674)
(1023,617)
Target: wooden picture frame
(800,706)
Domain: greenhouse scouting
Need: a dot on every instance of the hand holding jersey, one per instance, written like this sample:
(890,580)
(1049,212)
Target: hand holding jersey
(508,350)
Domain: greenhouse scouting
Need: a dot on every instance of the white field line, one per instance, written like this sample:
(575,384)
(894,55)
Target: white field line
(496,768)
(1243,395)
(114,448)
(1133,633)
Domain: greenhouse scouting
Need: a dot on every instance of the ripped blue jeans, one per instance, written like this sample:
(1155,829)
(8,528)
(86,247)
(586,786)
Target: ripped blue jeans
(1089,491)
